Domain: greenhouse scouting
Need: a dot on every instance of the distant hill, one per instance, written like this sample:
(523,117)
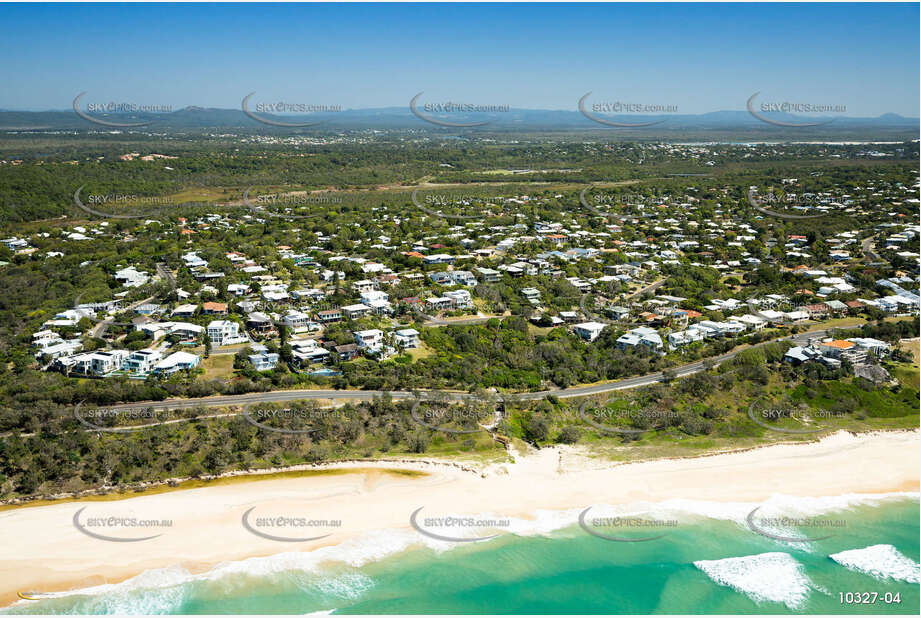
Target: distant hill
(390,118)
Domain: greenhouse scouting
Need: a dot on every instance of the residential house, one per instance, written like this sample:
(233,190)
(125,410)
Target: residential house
(871,346)
(532,295)
(142,361)
(298,321)
(684,337)
(371,340)
(460,299)
(262,360)
(329,315)
(225,332)
(463,277)
(588,330)
(346,352)
(260,324)
(816,311)
(212,308)
(441,278)
(439,303)
(307,351)
(62,349)
(641,336)
(407,338)
(131,277)
(358,310)
(184,311)
(488,275)
(177,361)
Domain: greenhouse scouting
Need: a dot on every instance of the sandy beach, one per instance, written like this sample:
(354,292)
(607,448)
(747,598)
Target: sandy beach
(44,551)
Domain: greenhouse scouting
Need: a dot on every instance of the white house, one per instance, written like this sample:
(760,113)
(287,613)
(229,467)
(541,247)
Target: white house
(463,277)
(131,277)
(62,349)
(751,322)
(263,360)
(461,299)
(358,310)
(438,303)
(407,338)
(642,335)
(588,330)
(177,361)
(102,363)
(684,337)
(308,351)
(371,340)
(142,361)
(871,346)
(297,321)
(225,332)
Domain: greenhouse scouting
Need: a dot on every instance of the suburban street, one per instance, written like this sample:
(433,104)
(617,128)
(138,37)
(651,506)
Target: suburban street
(356,395)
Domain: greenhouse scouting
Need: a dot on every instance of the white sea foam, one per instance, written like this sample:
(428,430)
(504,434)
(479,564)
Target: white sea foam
(881,562)
(774,576)
(377,545)
(777,506)
(791,506)
(345,586)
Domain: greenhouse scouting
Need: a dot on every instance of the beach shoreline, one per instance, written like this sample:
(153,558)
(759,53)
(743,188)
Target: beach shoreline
(46,552)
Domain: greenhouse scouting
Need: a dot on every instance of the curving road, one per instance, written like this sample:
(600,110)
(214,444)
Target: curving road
(575,391)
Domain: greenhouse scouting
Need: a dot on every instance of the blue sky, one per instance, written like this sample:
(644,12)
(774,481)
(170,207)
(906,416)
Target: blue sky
(699,57)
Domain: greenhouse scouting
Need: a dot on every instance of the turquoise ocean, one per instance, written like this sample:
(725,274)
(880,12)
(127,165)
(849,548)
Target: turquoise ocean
(710,562)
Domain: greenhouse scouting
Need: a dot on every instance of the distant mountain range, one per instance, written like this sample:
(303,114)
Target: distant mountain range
(390,118)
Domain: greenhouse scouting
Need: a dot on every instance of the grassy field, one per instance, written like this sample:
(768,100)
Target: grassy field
(423,351)
(913,346)
(218,366)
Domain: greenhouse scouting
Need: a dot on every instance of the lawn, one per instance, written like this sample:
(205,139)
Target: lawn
(423,351)
(220,366)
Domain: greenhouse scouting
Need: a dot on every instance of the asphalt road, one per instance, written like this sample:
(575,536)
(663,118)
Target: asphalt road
(575,391)
(868,250)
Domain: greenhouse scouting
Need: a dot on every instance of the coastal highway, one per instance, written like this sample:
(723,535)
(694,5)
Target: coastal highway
(356,395)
